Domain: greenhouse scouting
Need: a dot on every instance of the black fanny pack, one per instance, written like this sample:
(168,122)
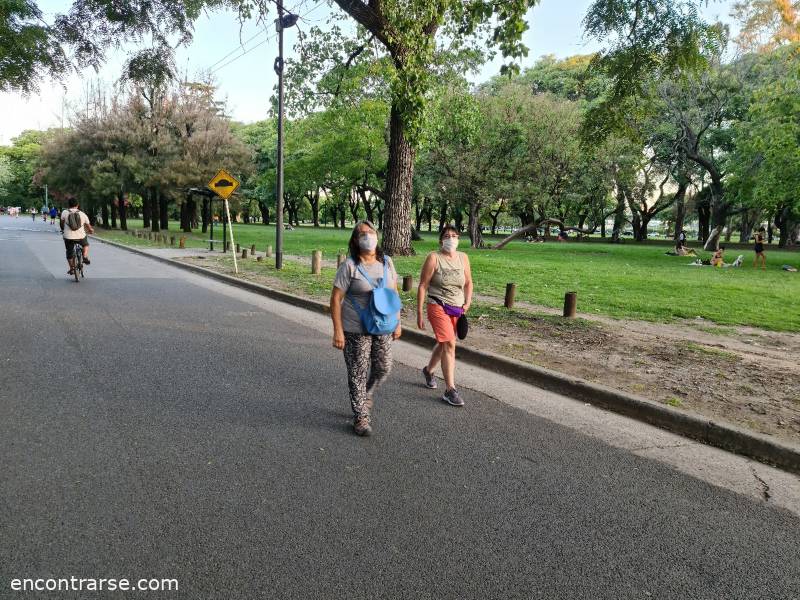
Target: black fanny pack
(462,325)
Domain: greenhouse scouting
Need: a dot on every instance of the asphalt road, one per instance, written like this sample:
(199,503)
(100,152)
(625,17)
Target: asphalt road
(150,427)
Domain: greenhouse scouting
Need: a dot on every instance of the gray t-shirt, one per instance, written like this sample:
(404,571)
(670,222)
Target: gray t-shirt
(350,280)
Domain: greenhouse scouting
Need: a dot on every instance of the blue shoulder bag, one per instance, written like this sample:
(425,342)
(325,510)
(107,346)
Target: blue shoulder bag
(380,316)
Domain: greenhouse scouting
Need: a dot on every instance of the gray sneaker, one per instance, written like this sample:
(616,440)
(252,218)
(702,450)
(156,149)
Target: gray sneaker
(453,398)
(430,380)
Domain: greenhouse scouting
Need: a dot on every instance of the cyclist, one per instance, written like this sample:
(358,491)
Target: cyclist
(74,230)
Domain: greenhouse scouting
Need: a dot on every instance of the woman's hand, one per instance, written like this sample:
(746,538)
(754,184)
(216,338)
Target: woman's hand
(338,340)
(397,332)
(466,307)
(420,321)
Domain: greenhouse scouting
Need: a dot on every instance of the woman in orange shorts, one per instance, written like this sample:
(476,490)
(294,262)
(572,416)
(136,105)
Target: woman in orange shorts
(446,284)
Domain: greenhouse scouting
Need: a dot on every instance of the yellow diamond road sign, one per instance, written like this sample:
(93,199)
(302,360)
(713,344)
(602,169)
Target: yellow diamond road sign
(223,184)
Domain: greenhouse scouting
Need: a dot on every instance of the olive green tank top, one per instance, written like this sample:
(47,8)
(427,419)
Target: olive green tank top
(448,281)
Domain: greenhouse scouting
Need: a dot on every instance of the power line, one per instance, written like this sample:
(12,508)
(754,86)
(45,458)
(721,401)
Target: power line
(213,70)
(239,47)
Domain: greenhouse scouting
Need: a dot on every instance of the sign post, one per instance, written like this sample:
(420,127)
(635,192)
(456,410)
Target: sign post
(223,185)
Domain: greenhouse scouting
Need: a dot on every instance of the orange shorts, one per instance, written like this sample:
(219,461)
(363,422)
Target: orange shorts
(444,326)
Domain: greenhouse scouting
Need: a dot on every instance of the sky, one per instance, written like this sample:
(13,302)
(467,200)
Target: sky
(244,74)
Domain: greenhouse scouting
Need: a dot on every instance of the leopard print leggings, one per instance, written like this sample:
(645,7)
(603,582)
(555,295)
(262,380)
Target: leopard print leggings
(369,361)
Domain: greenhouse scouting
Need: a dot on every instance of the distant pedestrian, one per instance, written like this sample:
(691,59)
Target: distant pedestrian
(446,284)
(681,240)
(718,260)
(53,215)
(759,249)
(367,279)
(33,214)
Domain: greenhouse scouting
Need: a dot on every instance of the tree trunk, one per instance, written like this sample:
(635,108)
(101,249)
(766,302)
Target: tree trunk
(399,180)
(619,218)
(494,216)
(113,215)
(442,214)
(104,212)
(154,211)
(184,213)
(315,208)
(703,221)
(475,234)
(123,213)
(163,211)
(264,208)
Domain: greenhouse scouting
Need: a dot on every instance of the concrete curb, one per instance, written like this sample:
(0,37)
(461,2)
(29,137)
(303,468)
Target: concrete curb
(727,437)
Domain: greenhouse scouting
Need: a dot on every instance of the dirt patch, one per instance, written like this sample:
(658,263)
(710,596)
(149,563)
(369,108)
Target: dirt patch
(742,375)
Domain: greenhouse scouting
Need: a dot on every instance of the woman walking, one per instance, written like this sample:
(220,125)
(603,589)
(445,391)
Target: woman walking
(446,280)
(367,356)
(759,248)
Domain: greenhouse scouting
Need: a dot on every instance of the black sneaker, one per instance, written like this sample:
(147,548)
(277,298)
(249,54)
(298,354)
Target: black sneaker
(430,380)
(86,261)
(453,398)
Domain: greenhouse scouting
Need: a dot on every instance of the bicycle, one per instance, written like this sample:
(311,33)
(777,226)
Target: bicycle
(78,259)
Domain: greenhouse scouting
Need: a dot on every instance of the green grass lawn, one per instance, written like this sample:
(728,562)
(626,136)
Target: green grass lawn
(631,281)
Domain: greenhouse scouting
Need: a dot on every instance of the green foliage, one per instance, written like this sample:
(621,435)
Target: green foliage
(647,41)
(768,141)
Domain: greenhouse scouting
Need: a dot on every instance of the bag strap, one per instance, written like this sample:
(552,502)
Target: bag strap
(369,279)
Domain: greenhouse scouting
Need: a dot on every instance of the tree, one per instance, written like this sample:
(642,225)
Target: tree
(767,160)
(767,24)
(411,33)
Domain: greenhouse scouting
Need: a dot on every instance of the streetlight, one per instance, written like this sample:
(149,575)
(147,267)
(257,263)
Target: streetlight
(283,21)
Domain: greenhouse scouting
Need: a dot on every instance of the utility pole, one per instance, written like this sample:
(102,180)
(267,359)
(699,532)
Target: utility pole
(283,21)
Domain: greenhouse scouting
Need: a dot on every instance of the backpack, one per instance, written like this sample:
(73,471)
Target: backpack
(380,315)
(74,220)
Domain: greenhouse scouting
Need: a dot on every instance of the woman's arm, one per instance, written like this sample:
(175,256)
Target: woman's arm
(428,267)
(337,296)
(467,282)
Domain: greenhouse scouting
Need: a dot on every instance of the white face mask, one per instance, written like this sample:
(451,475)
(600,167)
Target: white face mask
(450,244)
(368,242)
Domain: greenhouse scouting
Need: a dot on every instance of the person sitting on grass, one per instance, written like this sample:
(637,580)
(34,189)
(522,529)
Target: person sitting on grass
(718,260)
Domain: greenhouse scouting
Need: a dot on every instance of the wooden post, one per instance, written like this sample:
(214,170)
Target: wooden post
(238,248)
(511,293)
(408,283)
(172,240)
(260,259)
(253,250)
(340,258)
(244,252)
(570,304)
(269,252)
(316,262)
(182,242)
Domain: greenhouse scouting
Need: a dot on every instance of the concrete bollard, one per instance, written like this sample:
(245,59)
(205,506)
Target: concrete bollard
(570,304)
(408,283)
(244,252)
(253,250)
(316,262)
(269,252)
(182,242)
(340,258)
(511,293)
